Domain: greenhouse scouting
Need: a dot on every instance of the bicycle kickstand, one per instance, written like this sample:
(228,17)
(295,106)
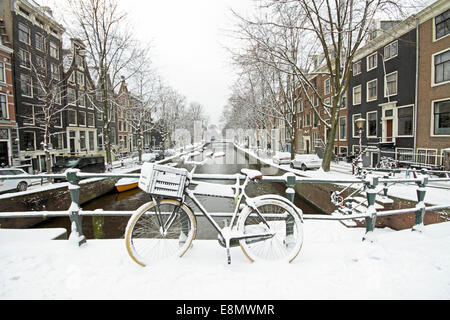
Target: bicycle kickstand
(227,245)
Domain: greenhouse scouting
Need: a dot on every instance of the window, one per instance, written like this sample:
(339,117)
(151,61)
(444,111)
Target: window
(405,121)
(54,50)
(405,154)
(80,79)
(315,120)
(40,42)
(40,65)
(29,140)
(308,120)
(344,101)
(442,67)
(372,90)
(60,141)
(2,72)
(327,88)
(355,127)
(90,119)
(391,84)
(72,117)
(357,68)
(372,61)
(71,96)
(357,95)
(26,85)
(57,120)
(54,71)
(82,118)
(81,99)
(441,118)
(82,140)
(3,106)
(442,25)
(24,33)
(91,140)
(28,115)
(327,104)
(342,128)
(24,59)
(426,156)
(391,50)
(299,105)
(372,124)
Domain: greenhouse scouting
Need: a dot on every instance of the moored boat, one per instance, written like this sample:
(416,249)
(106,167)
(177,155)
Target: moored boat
(126,184)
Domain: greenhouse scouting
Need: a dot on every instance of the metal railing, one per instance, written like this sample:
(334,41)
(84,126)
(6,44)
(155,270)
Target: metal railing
(75,213)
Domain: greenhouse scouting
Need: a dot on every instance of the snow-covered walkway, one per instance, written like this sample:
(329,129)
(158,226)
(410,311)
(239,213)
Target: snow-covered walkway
(333,264)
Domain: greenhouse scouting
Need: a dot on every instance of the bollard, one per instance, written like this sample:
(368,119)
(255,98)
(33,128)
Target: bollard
(76,234)
(371,211)
(290,184)
(420,213)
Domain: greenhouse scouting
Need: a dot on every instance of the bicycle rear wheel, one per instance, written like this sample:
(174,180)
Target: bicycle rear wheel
(283,221)
(147,242)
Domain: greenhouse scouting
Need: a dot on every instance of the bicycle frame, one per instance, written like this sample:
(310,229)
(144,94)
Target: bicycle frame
(242,196)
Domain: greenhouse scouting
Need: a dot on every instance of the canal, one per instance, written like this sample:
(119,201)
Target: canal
(232,162)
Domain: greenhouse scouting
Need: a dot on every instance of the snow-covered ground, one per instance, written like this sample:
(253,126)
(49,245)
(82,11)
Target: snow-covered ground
(334,264)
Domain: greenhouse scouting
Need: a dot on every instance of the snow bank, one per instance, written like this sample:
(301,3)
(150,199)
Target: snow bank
(334,264)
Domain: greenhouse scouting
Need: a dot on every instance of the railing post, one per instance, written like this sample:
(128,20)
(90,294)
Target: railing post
(290,185)
(76,233)
(371,211)
(420,213)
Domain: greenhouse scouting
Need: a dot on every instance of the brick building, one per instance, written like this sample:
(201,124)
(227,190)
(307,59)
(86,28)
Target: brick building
(433,108)
(8,125)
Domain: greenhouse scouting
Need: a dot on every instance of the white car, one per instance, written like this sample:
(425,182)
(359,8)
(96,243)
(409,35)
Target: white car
(282,158)
(21,184)
(306,161)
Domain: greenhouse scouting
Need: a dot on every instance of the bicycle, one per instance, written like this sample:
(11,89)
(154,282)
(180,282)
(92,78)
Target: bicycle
(267,227)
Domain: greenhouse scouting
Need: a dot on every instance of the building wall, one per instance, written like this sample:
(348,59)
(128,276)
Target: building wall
(385,109)
(427,91)
(8,125)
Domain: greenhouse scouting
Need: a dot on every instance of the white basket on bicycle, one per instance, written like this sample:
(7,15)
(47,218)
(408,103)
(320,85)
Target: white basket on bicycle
(164,181)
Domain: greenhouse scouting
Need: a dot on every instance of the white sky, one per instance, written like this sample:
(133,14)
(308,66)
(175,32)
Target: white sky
(188,39)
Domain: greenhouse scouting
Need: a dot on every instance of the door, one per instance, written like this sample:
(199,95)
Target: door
(4,155)
(374,159)
(307,146)
(389,130)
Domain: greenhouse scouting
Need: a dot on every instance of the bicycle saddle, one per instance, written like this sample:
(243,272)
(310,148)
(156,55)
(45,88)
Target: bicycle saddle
(252,174)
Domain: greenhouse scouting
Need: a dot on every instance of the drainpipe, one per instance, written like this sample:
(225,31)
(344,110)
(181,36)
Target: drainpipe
(416,107)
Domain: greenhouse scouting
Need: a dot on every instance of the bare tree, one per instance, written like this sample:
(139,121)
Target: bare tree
(291,33)
(47,83)
(111,49)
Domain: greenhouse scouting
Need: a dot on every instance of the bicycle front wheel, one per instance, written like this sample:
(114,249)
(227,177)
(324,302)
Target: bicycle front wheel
(150,236)
(281,220)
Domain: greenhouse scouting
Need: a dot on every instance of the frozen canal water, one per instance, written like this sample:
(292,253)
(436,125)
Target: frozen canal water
(232,162)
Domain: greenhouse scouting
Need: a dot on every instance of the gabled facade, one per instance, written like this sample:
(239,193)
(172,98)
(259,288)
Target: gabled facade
(125,103)
(83,120)
(37,44)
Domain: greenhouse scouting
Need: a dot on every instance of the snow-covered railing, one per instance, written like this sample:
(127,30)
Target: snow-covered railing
(75,213)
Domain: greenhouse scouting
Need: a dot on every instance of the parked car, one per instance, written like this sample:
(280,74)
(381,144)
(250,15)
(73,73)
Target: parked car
(148,157)
(21,184)
(85,164)
(159,154)
(306,161)
(282,158)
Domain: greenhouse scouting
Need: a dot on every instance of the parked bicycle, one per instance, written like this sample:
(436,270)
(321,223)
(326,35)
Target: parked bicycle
(267,227)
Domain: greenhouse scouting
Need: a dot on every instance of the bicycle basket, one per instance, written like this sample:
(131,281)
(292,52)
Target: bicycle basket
(164,181)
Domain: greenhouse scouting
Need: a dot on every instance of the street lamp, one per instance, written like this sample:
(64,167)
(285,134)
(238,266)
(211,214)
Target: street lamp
(360,124)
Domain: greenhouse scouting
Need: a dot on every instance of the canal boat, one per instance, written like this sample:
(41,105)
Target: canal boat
(126,184)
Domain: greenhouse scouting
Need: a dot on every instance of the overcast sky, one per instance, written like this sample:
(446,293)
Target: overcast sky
(188,39)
